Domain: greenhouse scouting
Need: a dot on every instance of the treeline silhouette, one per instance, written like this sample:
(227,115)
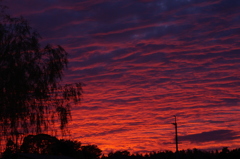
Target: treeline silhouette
(43,144)
(225,153)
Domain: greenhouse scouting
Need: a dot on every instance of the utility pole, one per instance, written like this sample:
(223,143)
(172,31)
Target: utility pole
(176,136)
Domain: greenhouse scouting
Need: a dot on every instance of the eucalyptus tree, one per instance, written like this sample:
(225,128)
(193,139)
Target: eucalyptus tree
(32,98)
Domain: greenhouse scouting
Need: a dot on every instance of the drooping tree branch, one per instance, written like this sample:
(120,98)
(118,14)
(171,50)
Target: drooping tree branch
(31,95)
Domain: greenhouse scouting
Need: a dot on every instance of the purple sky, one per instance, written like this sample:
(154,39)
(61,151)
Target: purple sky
(144,61)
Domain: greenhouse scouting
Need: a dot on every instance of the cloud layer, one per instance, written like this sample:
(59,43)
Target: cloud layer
(144,61)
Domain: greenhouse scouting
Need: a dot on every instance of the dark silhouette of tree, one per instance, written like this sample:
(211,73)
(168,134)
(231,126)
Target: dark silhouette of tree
(47,144)
(225,153)
(183,154)
(71,148)
(10,149)
(31,96)
(91,152)
(50,145)
(40,144)
(119,154)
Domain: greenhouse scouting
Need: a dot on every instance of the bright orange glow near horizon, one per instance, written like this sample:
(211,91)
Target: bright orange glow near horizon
(142,62)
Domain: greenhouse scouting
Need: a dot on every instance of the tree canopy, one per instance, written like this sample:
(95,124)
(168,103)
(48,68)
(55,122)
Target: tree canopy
(45,144)
(31,95)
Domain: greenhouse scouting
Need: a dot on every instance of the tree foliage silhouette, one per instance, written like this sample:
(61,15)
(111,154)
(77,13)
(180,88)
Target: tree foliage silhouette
(91,152)
(31,96)
(41,144)
(119,155)
(45,144)
(10,149)
(71,148)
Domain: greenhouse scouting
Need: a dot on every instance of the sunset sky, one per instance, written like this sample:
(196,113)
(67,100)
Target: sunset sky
(144,61)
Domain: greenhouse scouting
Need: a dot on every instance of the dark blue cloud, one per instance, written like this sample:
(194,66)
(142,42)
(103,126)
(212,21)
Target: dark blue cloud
(215,135)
